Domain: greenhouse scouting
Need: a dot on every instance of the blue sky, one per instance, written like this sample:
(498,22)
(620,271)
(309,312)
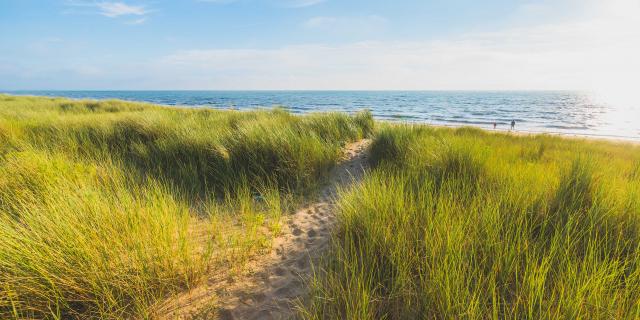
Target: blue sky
(317,44)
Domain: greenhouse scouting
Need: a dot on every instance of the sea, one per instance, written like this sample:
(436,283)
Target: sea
(555,112)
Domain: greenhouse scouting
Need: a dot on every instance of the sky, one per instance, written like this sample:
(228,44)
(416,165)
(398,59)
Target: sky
(320,45)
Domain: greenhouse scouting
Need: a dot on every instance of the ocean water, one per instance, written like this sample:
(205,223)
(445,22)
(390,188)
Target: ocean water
(572,113)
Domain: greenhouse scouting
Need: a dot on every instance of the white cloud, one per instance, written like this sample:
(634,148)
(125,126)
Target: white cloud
(317,22)
(137,21)
(596,52)
(111,9)
(299,3)
(117,9)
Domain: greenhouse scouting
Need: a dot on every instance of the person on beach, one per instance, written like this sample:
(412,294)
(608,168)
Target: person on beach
(494,125)
(513,124)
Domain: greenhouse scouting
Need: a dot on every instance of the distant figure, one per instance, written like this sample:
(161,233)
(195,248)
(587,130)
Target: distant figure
(494,125)
(513,124)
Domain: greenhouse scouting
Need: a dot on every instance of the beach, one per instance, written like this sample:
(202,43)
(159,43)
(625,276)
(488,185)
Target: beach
(559,112)
(117,209)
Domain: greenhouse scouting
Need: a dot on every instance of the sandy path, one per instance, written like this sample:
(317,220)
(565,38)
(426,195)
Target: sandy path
(275,281)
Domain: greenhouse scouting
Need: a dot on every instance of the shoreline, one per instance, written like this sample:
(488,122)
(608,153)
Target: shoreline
(526,131)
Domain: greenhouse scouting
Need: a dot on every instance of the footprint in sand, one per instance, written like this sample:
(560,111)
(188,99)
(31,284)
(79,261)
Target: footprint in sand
(270,293)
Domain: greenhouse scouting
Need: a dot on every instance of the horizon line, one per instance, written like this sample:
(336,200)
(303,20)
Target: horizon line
(296,90)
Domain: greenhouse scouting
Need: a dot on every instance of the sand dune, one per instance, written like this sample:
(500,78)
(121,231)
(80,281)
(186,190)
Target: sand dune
(275,282)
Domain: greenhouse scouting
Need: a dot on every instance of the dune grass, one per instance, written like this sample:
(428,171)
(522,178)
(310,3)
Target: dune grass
(108,207)
(467,224)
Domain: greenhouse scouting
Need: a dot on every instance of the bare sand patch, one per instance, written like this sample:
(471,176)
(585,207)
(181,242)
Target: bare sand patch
(275,281)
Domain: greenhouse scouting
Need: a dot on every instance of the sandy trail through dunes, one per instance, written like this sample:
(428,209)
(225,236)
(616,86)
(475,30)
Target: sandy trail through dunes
(275,281)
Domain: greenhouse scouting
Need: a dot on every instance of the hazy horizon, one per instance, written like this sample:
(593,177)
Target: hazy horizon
(496,45)
(294,90)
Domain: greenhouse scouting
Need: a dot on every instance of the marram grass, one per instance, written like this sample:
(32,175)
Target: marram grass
(106,208)
(464,224)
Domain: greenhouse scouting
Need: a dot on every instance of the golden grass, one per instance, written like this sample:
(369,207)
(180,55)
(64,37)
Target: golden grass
(467,224)
(108,207)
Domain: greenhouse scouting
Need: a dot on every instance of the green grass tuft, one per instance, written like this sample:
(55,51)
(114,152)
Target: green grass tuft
(109,207)
(467,224)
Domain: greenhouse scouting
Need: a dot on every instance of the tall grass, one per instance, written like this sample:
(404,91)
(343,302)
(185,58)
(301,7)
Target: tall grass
(466,224)
(108,207)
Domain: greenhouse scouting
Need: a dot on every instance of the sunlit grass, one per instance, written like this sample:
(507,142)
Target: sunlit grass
(466,224)
(108,207)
